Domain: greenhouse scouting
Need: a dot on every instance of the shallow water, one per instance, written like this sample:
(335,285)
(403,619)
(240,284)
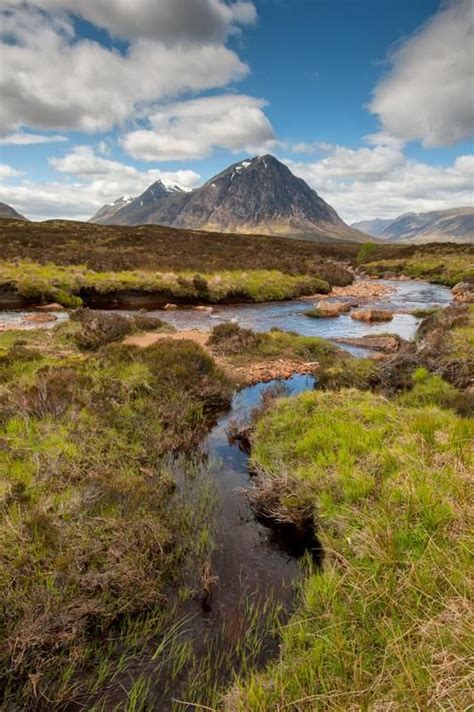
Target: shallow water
(291,316)
(256,572)
(252,566)
(246,550)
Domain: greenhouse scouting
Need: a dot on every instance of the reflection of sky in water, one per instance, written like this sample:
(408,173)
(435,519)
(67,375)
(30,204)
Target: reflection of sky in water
(290,316)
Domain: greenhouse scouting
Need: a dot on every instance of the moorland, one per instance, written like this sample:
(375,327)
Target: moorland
(103,538)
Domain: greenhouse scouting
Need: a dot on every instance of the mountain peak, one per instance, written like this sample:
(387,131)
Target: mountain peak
(258,194)
(6,211)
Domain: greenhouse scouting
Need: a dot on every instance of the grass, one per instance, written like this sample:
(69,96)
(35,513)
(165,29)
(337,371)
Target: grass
(448,265)
(163,249)
(70,285)
(445,342)
(93,530)
(386,624)
(334,367)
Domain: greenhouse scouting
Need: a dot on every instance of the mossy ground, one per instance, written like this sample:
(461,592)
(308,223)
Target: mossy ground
(444,266)
(94,533)
(333,366)
(65,284)
(387,623)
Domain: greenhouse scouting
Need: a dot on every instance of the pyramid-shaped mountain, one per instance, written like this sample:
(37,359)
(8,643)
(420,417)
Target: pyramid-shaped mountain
(259,195)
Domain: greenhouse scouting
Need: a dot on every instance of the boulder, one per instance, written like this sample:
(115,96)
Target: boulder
(53,307)
(372,315)
(339,307)
(463,292)
(328,310)
(206,310)
(377,342)
(170,307)
(40,318)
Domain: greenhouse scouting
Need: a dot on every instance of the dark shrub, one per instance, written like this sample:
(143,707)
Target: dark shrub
(231,339)
(201,286)
(143,322)
(100,328)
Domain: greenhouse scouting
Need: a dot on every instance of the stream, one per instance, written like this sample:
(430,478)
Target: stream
(257,568)
(231,626)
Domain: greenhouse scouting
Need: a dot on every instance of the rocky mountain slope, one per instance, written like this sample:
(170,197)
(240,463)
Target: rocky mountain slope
(454,225)
(259,195)
(6,211)
(108,210)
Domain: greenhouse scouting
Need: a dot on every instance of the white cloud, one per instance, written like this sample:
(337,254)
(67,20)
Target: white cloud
(96,181)
(51,79)
(24,138)
(192,129)
(366,163)
(382,182)
(428,92)
(7,171)
(164,20)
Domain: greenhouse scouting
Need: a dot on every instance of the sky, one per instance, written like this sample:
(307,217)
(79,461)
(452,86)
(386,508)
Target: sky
(370,101)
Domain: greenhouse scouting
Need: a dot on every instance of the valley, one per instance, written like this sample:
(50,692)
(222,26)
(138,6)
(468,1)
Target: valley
(149,453)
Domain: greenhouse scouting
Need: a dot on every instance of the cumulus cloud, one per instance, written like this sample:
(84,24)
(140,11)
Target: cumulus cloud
(370,182)
(91,181)
(428,92)
(169,21)
(49,78)
(366,163)
(192,129)
(7,171)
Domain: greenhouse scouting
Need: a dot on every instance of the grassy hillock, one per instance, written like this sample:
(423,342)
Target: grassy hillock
(72,284)
(442,265)
(385,624)
(94,534)
(155,248)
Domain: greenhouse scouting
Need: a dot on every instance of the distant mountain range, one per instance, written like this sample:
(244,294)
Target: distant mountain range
(259,195)
(454,225)
(6,211)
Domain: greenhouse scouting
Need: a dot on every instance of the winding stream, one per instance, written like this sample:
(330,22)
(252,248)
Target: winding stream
(253,571)
(290,315)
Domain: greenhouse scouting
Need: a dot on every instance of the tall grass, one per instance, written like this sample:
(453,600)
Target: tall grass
(388,623)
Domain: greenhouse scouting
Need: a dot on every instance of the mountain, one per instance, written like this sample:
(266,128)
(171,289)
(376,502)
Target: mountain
(6,211)
(158,199)
(108,210)
(372,227)
(259,195)
(454,225)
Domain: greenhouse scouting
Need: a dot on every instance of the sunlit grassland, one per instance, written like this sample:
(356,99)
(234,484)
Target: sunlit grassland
(93,528)
(333,366)
(448,266)
(388,622)
(64,284)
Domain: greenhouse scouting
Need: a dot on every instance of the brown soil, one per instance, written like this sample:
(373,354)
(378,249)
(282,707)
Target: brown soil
(149,338)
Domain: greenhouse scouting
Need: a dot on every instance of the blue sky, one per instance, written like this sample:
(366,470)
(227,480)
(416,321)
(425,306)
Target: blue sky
(371,101)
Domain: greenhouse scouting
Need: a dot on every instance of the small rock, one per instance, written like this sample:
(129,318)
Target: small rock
(206,310)
(40,318)
(372,315)
(53,307)
(463,292)
(335,307)
(170,307)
